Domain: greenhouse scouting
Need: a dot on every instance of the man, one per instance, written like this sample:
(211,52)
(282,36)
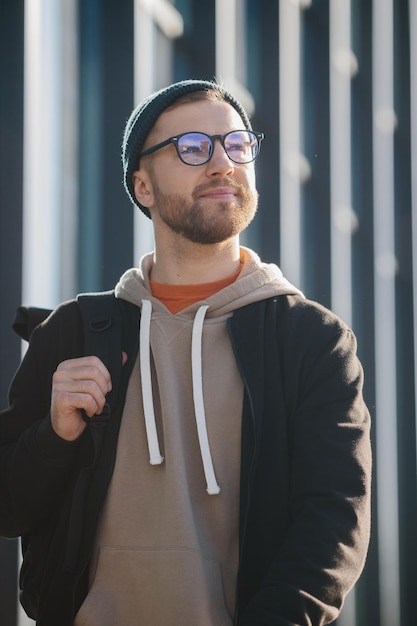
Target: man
(232,486)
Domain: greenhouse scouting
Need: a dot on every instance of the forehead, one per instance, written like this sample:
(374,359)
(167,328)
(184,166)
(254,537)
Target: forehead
(205,116)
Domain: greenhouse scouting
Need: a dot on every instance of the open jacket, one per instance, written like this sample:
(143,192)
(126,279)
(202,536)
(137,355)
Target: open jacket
(305,466)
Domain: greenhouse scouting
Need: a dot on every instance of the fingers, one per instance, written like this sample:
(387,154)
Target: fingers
(83,383)
(78,385)
(88,367)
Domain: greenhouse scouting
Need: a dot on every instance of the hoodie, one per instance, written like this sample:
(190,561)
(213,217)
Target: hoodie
(167,545)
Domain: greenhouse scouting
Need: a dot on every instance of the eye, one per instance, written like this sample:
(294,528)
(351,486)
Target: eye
(237,147)
(238,142)
(191,148)
(194,143)
(238,150)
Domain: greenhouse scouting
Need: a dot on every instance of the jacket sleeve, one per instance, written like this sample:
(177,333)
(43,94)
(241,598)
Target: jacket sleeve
(328,473)
(36,464)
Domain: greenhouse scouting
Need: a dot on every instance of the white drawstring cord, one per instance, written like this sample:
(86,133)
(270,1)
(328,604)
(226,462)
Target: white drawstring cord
(155,457)
(212,486)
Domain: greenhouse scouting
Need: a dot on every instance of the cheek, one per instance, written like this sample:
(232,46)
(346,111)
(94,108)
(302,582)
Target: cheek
(175,180)
(248,179)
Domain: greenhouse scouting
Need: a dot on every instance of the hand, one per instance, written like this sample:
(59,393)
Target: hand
(78,385)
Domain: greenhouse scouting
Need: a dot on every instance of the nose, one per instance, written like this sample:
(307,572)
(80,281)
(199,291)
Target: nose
(219,164)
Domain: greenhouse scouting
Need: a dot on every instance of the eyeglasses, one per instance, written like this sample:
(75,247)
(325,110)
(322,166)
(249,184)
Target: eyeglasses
(194,148)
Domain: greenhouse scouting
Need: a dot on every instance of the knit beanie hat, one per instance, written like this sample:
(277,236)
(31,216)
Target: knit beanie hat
(143,119)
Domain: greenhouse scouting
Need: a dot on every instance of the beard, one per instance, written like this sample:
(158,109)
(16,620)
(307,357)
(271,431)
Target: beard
(201,224)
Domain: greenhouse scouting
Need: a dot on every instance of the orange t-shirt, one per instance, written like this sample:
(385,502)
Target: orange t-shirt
(178,297)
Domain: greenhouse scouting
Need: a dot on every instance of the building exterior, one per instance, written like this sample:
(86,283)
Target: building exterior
(333,85)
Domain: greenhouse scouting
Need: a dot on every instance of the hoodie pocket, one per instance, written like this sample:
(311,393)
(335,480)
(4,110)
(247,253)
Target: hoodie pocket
(155,587)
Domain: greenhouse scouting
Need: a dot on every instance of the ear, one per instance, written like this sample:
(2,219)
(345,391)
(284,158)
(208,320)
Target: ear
(143,187)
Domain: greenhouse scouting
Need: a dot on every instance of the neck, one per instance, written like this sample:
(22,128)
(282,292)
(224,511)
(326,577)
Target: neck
(193,264)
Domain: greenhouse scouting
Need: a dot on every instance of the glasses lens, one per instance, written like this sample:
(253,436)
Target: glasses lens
(241,146)
(194,148)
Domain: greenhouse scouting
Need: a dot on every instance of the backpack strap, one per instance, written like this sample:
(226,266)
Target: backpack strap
(103,327)
(109,325)
(104,334)
(103,330)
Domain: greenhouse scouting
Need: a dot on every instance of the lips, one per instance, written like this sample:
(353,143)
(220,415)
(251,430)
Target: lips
(217,192)
(220,193)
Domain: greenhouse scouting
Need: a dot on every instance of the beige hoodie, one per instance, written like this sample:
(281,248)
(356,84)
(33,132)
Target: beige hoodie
(167,544)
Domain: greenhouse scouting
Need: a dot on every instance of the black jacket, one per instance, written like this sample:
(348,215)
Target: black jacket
(305,469)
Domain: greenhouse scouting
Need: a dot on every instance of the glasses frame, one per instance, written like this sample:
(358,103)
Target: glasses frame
(175,139)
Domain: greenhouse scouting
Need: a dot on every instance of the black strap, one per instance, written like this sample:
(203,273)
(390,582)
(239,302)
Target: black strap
(103,329)
(109,324)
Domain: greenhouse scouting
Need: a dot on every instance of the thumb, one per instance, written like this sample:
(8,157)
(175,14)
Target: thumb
(124,358)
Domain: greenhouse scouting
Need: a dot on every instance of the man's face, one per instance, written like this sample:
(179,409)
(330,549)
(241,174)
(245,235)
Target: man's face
(208,203)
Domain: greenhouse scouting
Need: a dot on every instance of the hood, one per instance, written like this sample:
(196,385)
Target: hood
(256,281)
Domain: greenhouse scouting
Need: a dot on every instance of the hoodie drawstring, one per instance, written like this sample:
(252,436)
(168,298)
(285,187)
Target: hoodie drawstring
(200,415)
(155,457)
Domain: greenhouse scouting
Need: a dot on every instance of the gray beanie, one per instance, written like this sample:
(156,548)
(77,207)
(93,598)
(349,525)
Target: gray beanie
(143,119)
